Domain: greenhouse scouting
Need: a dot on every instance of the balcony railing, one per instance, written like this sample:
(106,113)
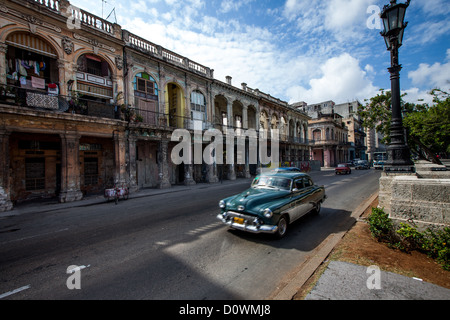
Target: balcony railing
(138,43)
(79,15)
(50,4)
(50,102)
(151,119)
(329,142)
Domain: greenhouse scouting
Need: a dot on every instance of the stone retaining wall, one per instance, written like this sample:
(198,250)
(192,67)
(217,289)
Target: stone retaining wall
(426,201)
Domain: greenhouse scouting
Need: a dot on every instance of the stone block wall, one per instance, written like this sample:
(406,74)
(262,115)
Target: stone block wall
(425,201)
(408,197)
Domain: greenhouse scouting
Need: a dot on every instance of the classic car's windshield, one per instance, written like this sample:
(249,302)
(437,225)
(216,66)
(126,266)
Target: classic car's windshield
(272,183)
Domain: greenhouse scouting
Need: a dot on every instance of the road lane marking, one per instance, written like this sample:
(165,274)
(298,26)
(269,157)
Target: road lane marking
(78,268)
(35,236)
(7,294)
(204,228)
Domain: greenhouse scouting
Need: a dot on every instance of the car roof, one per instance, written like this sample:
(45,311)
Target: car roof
(286,174)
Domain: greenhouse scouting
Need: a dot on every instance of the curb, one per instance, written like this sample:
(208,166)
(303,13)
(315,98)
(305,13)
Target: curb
(315,259)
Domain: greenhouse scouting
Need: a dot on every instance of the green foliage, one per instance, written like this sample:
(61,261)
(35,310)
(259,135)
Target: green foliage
(430,125)
(409,238)
(427,126)
(380,225)
(435,243)
(437,246)
(376,114)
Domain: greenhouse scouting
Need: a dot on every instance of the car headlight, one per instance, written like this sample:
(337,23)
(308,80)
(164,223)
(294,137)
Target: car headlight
(267,213)
(222,204)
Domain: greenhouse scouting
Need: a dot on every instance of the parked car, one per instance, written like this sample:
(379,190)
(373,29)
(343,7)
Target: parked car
(342,168)
(274,201)
(361,164)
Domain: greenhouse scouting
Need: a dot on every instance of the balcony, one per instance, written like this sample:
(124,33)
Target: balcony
(42,100)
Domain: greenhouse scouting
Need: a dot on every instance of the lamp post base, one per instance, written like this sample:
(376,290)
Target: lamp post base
(399,160)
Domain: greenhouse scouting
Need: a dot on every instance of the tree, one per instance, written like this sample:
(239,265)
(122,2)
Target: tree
(376,114)
(427,127)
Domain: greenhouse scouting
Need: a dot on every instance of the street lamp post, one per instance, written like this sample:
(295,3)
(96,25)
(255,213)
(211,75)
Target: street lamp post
(398,152)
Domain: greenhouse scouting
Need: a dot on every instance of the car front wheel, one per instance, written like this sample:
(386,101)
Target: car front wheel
(282,227)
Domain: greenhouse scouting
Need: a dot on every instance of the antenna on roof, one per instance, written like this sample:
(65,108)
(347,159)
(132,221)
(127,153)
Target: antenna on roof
(113,10)
(115,17)
(103,3)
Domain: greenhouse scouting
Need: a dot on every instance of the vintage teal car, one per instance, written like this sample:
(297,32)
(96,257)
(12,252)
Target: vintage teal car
(273,201)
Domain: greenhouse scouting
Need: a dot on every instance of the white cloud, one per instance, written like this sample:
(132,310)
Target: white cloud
(434,7)
(346,16)
(230,5)
(417,96)
(429,32)
(342,80)
(432,76)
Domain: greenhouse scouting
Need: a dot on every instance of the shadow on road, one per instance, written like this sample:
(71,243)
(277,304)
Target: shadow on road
(307,233)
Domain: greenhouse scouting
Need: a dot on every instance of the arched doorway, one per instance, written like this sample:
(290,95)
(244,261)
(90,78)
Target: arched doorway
(175,105)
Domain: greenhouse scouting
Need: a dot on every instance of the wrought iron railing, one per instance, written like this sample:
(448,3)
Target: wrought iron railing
(50,102)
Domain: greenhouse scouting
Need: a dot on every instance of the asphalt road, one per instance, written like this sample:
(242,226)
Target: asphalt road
(167,246)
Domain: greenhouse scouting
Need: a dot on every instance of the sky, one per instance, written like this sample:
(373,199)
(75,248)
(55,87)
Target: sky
(296,50)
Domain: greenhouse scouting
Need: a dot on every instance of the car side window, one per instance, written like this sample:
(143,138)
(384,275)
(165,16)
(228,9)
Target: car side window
(307,182)
(298,184)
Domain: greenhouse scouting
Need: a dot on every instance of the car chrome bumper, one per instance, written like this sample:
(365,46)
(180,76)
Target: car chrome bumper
(250,227)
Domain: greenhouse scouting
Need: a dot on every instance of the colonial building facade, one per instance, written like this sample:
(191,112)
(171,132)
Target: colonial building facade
(60,132)
(328,133)
(85,105)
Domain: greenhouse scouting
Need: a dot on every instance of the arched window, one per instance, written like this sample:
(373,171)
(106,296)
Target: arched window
(94,77)
(145,86)
(146,97)
(317,135)
(198,110)
(198,102)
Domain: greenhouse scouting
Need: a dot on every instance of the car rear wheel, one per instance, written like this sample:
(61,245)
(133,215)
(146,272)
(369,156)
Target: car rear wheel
(282,227)
(317,208)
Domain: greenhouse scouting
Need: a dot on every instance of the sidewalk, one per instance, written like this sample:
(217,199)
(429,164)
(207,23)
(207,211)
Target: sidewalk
(348,281)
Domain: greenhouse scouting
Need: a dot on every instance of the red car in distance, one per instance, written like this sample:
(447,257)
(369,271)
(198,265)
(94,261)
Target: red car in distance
(342,168)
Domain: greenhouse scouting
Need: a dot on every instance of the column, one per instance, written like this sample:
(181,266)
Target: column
(326,157)
(62,77)
(247,160)
(3,50)
(70,167)
(163,165)
(5,185)
(132,171)
(120,165)
(231,175)
(189,171)
(245,117)
(211,175)
(229,114)
(188,175)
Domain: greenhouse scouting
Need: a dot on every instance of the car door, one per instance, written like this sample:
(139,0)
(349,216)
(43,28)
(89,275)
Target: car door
(292,206)
(309,199)
(298,197)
